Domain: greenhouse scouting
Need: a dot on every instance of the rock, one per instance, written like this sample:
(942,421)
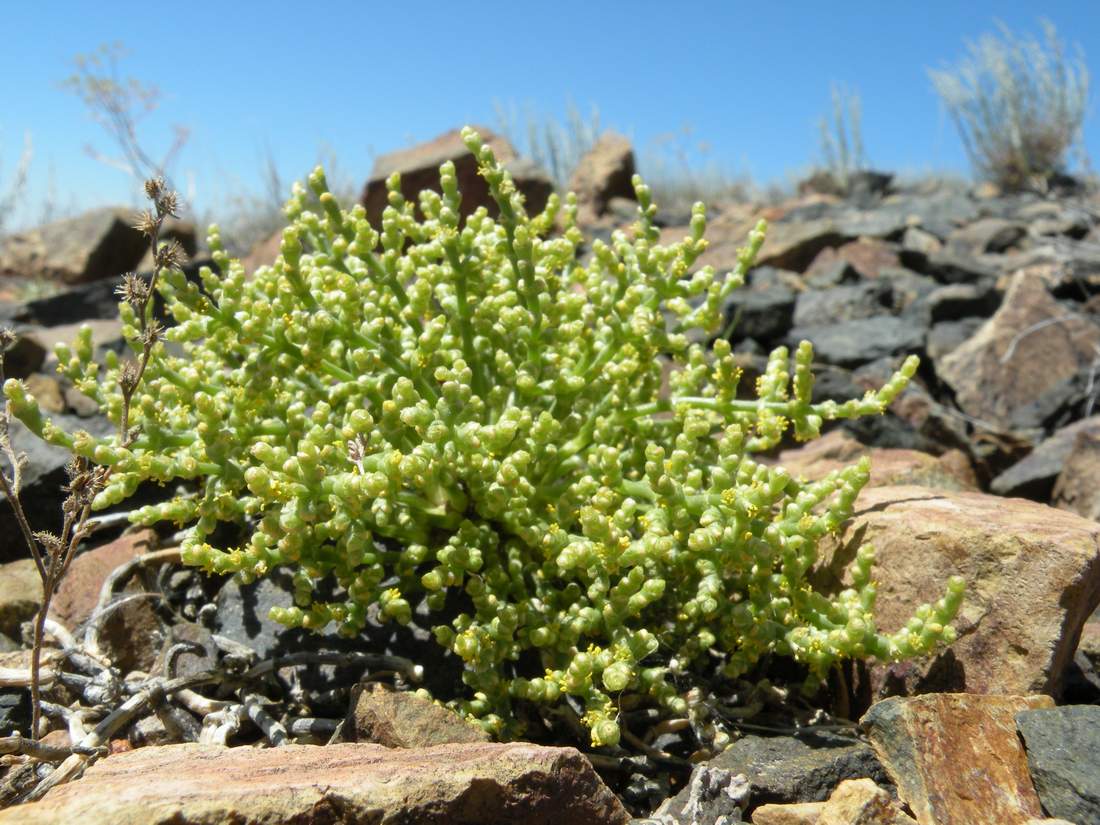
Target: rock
(956,758)
(837,449)
(81,405)
(182,232)
(264,253)
(404,720)
(763,314)
(840,304)
(1063,752)
(862,802)
(949,267)
(101,243)
(795,245)
(867,257)
(25,356)
(855,342)
(200,655)
(95,300)
(1034,475)
(242,615)
(1076,489)
(1023,366)
(960,301)
(468,784)
(78,594)
(20,594)
(43,477)
(713,795)
(1032,573)
(985,235)
(46,391)
(801,813)
(800,768)
(419,168)
(603,173)
(917,245)
(947,336)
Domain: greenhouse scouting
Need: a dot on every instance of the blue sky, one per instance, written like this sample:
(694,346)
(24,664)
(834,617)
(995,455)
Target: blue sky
(352,80)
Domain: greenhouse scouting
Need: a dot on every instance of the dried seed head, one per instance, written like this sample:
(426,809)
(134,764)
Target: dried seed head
(7,338)
(167,205)
(154,187)
(153,333)
(134,290)
(170,255)
(146,223)
(50,543)
(128,378)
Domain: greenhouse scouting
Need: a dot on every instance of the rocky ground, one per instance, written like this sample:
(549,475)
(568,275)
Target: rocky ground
(986,468)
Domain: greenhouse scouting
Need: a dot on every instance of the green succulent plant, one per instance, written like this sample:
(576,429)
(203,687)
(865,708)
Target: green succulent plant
(472,407)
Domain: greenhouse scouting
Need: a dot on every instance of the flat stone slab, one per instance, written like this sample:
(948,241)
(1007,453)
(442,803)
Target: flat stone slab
(464,784)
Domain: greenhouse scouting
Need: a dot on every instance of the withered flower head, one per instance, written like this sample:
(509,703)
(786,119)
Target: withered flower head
(146,223)
(128,378)
(134,290)
(154,187)
(167,204)
(170,255)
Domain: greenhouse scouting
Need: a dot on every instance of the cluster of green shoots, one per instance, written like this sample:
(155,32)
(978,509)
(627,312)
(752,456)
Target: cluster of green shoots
(473,408)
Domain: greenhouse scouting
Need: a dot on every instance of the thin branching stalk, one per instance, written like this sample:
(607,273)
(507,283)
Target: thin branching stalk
(85,480)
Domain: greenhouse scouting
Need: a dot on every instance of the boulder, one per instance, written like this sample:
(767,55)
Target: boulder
(1063,753)
(955,758)
(468,784)
(1032,573)
(1034,475)
(889,466)
(1030,361)
(1076,489)
(419,169)
(603,173)
(101,243)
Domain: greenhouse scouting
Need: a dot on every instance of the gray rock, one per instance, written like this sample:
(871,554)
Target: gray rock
(950,267)
(713,796)
(945,336)
(865,339)
(761,314)
(1063,754)
(820,307)
(803,768)
(43,478)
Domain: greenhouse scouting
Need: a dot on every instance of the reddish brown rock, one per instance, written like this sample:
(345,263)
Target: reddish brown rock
(1032,573)
(131,634)
(79,591)
(956,758)
(419,168)
(795,245)
(404,720)
(467,784)
(603,173)
(1022,364)
(889,466)
(866,256)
